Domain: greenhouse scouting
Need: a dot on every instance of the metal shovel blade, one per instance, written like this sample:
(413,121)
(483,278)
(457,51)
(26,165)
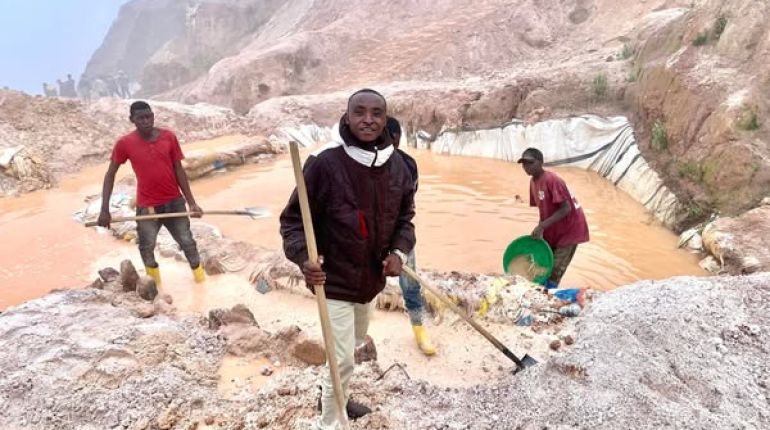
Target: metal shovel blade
(526,362)
(256,212)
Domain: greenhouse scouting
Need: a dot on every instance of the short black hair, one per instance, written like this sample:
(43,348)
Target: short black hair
(532,154)
(393,127)
(367,91)
(137,106)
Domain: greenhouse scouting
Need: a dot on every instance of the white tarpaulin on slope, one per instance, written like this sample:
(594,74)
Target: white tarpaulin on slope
(604,145)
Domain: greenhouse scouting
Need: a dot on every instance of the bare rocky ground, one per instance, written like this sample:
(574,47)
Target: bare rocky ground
(684,353)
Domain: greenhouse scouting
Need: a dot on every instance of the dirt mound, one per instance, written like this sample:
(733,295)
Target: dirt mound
(683,353)
(105,359)
(91,364)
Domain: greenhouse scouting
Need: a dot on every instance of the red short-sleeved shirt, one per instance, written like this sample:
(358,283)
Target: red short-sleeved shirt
(547,193)
(153,164)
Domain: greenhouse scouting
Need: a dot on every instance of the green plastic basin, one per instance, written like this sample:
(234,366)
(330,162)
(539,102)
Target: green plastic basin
(538,249)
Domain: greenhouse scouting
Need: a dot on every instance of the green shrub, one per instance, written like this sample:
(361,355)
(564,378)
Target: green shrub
(627,52)
(720,23)
(659,139)
(719,27)
(749,120)
(633,75)
(695,211)
(692,171)
(600,85)
(710,169)
(701,39)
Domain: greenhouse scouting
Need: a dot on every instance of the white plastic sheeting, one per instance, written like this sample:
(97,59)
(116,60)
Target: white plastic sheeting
(604,145)
(309,135)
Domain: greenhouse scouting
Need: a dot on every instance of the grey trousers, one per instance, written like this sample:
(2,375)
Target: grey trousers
(147,233)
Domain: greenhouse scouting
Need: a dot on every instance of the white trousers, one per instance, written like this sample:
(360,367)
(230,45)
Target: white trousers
(350,322)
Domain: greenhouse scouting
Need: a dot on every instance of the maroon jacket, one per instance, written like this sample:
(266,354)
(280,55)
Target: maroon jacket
(360,214)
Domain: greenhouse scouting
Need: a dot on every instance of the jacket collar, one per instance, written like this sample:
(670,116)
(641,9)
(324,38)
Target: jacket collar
(375,157)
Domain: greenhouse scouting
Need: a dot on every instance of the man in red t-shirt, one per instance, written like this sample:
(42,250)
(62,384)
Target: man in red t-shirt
(156,158)
(562,221)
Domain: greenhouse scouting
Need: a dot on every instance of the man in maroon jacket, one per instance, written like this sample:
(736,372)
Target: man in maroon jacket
(362,201)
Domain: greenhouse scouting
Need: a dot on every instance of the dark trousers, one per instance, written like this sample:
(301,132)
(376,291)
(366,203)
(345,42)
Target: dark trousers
(179,227)
(562,257)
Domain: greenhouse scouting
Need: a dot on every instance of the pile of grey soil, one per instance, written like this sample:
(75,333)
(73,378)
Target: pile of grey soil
(685,353)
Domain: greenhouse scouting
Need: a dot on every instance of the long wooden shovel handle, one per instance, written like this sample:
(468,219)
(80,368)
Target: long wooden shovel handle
(172,215)
(142,218)
(445,300)
(320,292)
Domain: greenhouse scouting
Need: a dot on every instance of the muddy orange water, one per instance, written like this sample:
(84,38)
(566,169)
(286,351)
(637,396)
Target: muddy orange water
(467,212)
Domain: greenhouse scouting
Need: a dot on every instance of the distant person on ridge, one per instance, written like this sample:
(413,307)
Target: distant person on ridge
(410,289)
(49,90)
(156,159)
(69,87)
(562,221)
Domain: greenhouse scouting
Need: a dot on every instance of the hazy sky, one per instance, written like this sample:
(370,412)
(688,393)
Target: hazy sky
(42,40)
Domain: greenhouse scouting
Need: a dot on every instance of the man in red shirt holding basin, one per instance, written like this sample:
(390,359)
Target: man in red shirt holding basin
(562,221)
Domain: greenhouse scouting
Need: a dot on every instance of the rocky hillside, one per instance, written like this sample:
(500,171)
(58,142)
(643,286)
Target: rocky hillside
(700,104)
(689,73)
(142,28)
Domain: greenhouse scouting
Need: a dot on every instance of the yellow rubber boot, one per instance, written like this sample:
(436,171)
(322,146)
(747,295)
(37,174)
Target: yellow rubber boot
(154,273)
(199,274)
(423,341)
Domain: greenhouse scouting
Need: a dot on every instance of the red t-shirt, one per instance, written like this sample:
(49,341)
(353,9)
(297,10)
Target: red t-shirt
(547,193)
(153,164)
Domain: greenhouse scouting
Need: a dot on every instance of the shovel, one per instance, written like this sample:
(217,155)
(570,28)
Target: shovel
(253,213)
(320,292)
(521,364)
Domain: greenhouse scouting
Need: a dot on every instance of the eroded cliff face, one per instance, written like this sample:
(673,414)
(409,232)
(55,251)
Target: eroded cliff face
(212,30)
(699,104)
(140,30)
